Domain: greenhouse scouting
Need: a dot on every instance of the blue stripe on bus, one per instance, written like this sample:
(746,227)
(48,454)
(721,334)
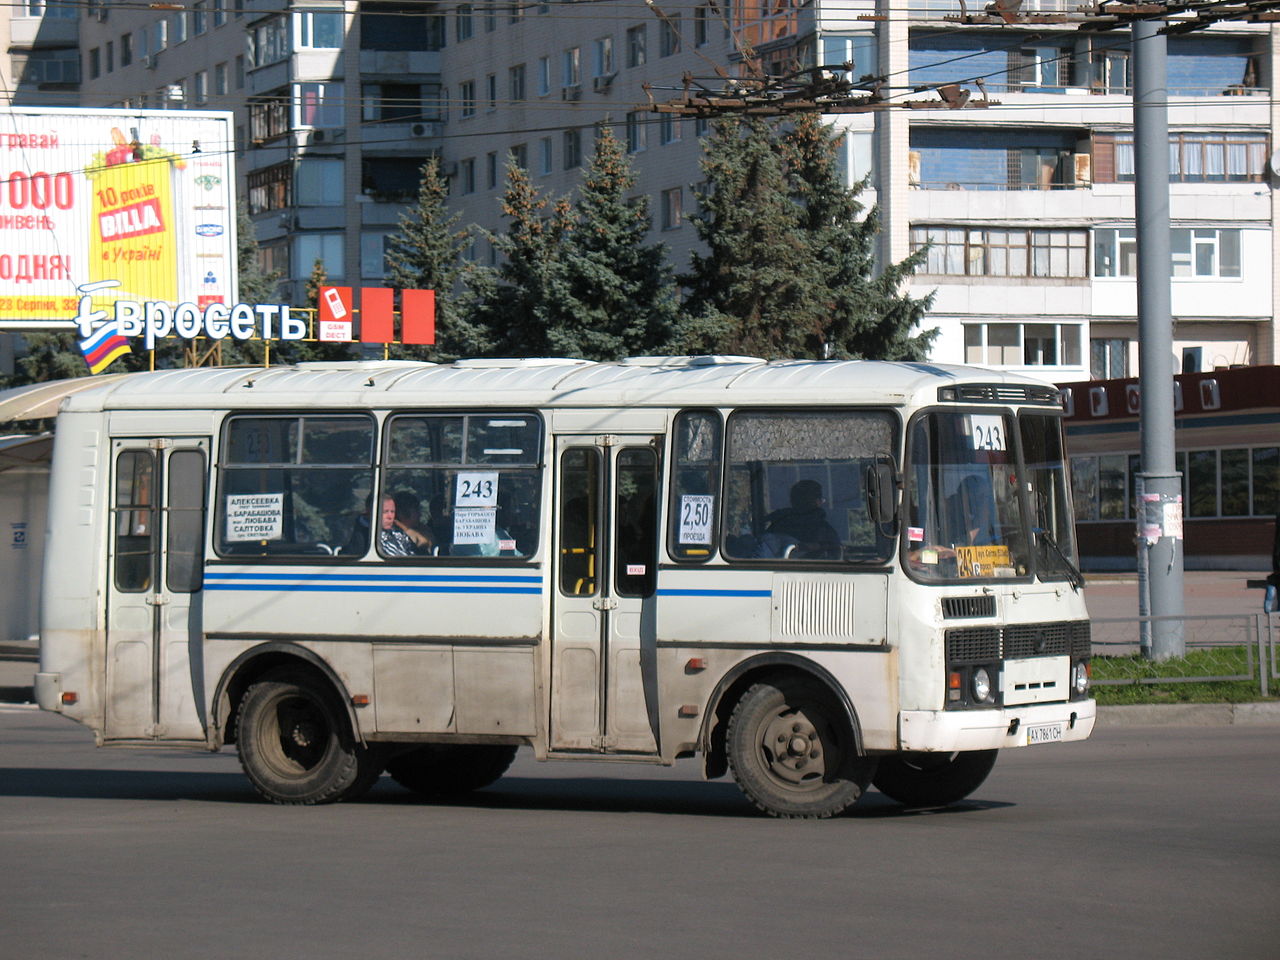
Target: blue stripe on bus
(362,588)
(369,577)
(671,592)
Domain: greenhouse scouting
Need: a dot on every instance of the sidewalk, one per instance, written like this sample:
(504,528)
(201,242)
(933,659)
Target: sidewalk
(1205,593)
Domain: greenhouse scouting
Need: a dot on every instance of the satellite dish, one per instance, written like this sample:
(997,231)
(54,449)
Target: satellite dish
(1274,164)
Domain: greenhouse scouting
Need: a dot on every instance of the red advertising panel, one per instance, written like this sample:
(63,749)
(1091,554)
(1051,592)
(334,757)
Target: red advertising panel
(334,321)
(418,316)
(377,314)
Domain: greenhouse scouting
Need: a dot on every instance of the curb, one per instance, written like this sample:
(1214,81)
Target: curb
(1191,715)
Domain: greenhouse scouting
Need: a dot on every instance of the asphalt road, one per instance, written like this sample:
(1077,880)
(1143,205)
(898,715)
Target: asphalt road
(1143,842)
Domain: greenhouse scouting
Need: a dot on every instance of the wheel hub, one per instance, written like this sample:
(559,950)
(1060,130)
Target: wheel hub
(793,750)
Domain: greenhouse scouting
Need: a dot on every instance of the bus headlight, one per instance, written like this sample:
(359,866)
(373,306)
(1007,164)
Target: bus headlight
(1080,678)
(981,685)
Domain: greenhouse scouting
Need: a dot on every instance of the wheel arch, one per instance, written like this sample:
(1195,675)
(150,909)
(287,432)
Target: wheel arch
(249,667)
(760,668)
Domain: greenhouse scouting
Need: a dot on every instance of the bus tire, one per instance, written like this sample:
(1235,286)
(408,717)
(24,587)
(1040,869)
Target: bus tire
(791,750)
(295,743)
(441,771)
(933,779)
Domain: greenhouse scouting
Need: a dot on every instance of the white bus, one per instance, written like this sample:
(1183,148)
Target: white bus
(814,575)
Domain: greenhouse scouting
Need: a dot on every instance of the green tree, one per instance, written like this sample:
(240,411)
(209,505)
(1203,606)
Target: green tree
(757,289)
(49,356)
(426,253)
(526,296)
(865,314)
(621,293)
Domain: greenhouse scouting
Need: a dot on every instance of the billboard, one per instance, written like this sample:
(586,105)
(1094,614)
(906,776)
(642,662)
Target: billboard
(119,205)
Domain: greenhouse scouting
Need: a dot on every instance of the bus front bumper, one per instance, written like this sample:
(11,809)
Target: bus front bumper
(1031,725)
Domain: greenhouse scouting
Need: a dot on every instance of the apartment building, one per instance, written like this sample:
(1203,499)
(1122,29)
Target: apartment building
(1027,203)
(41,40)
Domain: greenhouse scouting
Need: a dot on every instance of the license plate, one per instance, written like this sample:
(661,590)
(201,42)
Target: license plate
(1045,733)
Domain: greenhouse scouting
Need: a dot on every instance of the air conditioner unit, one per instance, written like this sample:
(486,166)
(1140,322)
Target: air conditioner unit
(325,134)
(422,130)
(601,84)
(571,93)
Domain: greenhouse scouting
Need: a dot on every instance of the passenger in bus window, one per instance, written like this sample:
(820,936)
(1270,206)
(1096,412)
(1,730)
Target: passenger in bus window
(409,522)
(392,541)
(804,524)
(973,514)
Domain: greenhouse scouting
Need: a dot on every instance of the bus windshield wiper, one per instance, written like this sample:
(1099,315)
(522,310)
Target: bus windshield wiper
(1074,573)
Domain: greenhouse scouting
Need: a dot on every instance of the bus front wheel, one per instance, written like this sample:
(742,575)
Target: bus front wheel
(933,779)
(295,743)
(446,770)
(791,750)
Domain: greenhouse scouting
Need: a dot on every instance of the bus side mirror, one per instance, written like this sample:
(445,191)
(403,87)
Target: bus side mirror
(882,487)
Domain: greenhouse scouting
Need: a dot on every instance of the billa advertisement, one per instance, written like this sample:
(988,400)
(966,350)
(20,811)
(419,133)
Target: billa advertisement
(137,205)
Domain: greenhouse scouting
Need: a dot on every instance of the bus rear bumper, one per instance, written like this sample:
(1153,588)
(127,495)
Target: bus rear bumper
(1032,725)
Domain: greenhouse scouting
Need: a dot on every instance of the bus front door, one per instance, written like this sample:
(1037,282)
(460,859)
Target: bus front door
(156,566)
(603,653)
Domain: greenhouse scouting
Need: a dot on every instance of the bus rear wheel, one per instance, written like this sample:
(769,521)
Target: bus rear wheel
(791,750)
(295,743)
(441,771)
(933,779)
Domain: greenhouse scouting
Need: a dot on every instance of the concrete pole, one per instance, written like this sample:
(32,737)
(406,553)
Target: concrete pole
(1160,509)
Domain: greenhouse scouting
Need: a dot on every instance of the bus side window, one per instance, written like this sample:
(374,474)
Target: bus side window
(135,520)
(184,548)
(695,485)
(579,483)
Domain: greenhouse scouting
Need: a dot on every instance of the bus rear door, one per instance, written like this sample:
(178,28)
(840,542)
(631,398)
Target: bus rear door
(603,654)
(155,562)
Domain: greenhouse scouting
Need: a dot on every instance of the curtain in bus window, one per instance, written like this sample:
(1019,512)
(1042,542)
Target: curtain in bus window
(295,486)
(1053,531)
(134,520)
(469,484)
(695,485)
(796,486)
(184,535)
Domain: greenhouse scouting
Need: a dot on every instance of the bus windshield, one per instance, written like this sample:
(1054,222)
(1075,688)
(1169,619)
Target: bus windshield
(967,516)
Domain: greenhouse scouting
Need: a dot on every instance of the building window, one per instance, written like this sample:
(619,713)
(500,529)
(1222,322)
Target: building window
(46,66)
(373,254)
(544,76)
(636,131)
(319,182)
(269,188)
(637,41)
(324,247)
(700,17)
(544,156)
(1018,344)
(390,102)
(467,175)
(126,50)
(669,129)
(857,49)
(1196,253)
(220,80)
(961,251)
(467,96)
(463,22)
(572,149)
(672,207)
(239,71)
(602,64)
(199,17)
(268,117)
(399,25)
(219,12)
(491,91)
(95,63)
(178,27)
(391,179)
(320,29)
(520,155)
(269,42)
(1108,358)
(319,104)
(571,67)
(515,83)
(200,87)
(669,36)
(58,11)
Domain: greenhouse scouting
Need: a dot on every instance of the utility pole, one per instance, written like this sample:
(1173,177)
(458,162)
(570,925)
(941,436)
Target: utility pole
(1160,543)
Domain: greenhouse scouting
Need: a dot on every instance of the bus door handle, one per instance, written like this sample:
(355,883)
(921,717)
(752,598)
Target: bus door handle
(605,603)
(157,599)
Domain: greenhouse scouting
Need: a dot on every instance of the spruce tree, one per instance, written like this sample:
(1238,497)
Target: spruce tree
(526,295)
(757,289)
(426,254)
(620,291)
(865,314)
